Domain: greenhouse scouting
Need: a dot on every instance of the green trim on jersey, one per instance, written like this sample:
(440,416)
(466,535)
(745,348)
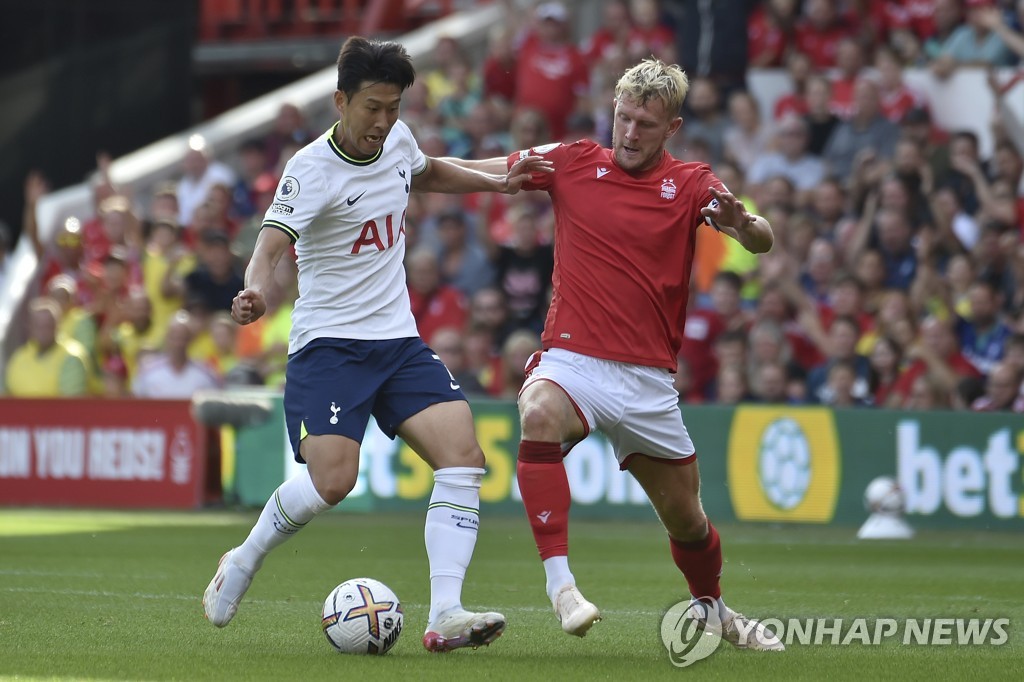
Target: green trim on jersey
(292,234)
(345,157)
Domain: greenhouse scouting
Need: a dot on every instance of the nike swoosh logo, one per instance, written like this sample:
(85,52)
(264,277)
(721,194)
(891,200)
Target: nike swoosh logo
(355,199)
(469,527)
(454,386)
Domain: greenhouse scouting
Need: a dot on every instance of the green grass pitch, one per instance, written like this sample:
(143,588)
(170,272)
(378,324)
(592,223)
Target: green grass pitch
(116,596)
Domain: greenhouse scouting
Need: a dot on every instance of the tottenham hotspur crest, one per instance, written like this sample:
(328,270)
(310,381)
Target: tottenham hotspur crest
(668,189)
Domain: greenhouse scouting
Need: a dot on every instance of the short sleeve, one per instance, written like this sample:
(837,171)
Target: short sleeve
(555,152)
(301,195)
(418,162)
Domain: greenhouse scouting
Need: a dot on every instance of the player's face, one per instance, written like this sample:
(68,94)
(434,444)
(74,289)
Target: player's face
(367,118)
(639,133)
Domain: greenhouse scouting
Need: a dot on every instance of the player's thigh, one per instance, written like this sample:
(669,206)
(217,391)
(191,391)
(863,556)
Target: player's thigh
(423,404)
(673,487)
(329,390)
(552,402)
(444,435)
(650,423)
(333,463)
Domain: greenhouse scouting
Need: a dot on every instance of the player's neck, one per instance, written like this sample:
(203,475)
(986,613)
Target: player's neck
(646,170)
(349,150)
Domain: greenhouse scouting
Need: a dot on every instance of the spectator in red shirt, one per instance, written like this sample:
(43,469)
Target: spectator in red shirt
(935,353)
(612,37)
(819,32)
(499,69)
(915,16)
(846,298)
(551,74)
(648,35)
(700,332)
(434,305)
(895,97)
(795,102)
(769,32)
(775,305)
(849,65)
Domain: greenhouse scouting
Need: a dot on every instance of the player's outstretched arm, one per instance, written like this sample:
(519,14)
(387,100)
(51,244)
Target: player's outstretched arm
(495,166)
(441,175)
(731,217)
(250,303)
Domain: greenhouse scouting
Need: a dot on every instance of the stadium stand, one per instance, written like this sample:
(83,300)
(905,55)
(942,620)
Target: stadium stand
(888,161)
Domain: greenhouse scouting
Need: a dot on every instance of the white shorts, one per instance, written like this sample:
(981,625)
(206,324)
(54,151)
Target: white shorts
(635,407)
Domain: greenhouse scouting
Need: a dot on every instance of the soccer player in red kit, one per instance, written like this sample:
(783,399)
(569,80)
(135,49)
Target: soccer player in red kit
(625,227)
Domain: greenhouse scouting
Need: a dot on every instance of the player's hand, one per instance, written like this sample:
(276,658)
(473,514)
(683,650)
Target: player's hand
(730,211)
(248,306)
(521,171)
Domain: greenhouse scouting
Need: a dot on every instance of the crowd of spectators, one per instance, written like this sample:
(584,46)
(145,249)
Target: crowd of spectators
(896,279)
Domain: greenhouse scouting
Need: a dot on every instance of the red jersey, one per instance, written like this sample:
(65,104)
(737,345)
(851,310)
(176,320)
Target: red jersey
(702,328)
(765,40)
(624,248)
(446,307)
(960,365)
(896,103)
(821,44)
(549,78)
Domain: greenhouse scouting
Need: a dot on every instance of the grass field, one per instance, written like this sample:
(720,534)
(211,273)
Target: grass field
(105,595)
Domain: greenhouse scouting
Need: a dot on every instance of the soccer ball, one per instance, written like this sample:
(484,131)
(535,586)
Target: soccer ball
(362,616)
(884,496)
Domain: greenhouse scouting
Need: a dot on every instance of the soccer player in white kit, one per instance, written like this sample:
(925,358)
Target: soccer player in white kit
(354,350)
(626,219)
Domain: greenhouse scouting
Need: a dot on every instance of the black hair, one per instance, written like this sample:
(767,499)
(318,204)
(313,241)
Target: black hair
(730,278)
(375,61)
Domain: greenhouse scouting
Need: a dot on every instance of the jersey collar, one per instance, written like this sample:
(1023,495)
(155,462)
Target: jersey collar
(345,157)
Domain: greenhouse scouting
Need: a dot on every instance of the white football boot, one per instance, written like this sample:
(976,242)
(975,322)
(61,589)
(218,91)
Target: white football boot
(225,591)
(576,614)
(457,628)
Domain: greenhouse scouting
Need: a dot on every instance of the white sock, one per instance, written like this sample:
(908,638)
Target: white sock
(556,569)
(453,517)
(723,611)
(290,508)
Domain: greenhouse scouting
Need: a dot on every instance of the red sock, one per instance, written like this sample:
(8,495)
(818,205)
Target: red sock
(545,490)
(701,563)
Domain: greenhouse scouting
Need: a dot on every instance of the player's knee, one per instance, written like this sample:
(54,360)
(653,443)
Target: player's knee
(539,422)
(687,524)
(468,456)
(334,485)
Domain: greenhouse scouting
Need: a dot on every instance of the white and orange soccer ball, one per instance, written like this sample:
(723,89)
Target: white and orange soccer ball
(362,616)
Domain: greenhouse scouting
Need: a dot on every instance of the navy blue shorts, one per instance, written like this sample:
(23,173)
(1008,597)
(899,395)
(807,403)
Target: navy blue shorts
(332,386)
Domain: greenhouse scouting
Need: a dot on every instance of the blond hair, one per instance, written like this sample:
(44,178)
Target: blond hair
(653,78)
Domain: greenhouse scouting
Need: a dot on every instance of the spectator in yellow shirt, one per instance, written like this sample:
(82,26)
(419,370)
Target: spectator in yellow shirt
(47,366)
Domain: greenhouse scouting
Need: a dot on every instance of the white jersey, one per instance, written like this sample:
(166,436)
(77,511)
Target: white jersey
(347,219)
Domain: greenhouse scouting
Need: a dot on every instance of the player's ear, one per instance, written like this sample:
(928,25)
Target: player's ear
(673,127)
(340,101)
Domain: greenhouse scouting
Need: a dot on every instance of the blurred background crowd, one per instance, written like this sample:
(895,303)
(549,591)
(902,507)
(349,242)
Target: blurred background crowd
(896,280)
